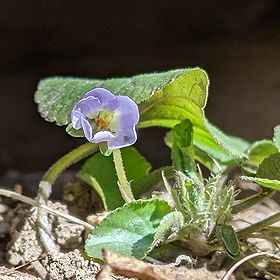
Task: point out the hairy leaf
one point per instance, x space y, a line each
129 230
267 183
182 134
168 228
234 145
57 96
164 99
228 239
260 150
256 153
183 151
270 168
73 132
211 162
268 173
276 137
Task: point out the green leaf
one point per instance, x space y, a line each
99 172
219 148
173 193
203 157
73 132
168 228
57 96
129 230
151 181
276 137
183 150
215 166
228 239
182 134
270 168
257 152
268 173
234 145
181 100
164 99
208 144
267 183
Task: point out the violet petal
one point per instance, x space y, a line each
102 136
105 97
87 128
123 138
76 119
127 106
121 131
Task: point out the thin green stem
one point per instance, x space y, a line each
59 166
243 233
247 203
123 183
72 157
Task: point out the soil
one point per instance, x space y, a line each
22 255
24 248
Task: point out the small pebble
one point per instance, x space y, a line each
3 208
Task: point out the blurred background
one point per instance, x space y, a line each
236 41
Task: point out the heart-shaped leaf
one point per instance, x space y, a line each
129 230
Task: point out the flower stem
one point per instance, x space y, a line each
243 233
45 189
123 183
72 157
247 203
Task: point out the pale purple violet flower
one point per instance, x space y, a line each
105 117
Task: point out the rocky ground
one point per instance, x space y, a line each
22 252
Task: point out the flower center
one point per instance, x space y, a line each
101 123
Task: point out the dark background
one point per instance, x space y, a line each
236 42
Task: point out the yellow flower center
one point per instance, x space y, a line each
101 123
